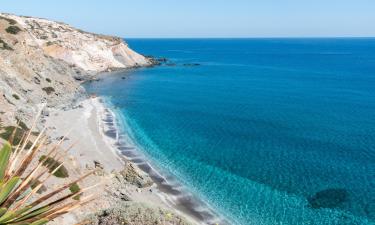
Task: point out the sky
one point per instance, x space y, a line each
207 18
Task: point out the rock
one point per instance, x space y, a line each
192 64
61 138
162 60
134 176
45 112
329 198
97 164
132 213
36 80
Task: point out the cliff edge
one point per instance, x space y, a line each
43 61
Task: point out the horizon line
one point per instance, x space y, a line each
265 37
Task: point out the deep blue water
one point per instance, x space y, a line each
261 126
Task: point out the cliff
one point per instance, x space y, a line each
43 61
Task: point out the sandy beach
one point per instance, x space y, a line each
92 127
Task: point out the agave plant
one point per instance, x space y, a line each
20 204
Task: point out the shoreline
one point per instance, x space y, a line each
101 143
171 192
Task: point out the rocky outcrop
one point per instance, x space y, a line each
43 61
135 176
135 214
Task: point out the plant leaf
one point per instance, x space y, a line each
4 159
3 211
33 213
40 222
7 188
11 215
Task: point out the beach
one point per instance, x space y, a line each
93 127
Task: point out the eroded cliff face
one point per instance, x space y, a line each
43 61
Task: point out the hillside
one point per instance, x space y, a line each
43 61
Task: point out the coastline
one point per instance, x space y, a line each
170 191
97 131
88 121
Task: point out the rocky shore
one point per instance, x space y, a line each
43 63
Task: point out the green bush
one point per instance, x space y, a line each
5 46
48 90
22 125
34 183
16 96
52 164
13 30
48 80
74 188
6 134
10 21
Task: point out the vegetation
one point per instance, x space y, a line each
13 30
48 90
49 43
19 202
23 125
16 96
48 80
74 188
5 46
10 21
16 133
35 183
53 165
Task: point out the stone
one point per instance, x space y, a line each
134 176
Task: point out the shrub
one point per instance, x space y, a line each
35 183
48 90
23 125
13 30
48 80
5 46
10 21
16 96
52 165
14 135
74 188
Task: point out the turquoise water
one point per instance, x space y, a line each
267 131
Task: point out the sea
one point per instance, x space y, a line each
262 131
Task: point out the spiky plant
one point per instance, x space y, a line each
19 202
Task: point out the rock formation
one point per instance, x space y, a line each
43 61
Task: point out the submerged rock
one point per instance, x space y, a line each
329 198
192 64
162 60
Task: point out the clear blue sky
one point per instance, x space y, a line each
207 18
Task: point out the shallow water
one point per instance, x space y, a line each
267 131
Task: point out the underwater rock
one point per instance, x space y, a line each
329 198
192 64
